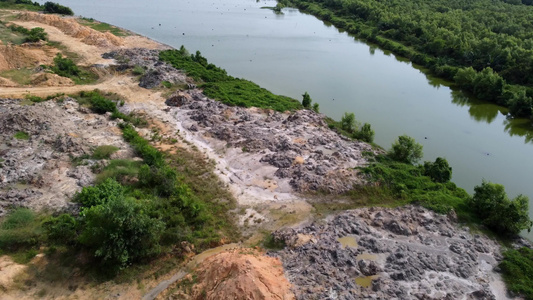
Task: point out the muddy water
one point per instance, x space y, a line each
365 281
348 241
293 53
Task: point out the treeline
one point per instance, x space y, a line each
493 38
48 7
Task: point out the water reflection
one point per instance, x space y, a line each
478 110
519 127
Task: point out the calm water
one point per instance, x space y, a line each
293 53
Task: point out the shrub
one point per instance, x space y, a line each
104 152
36 34
61 229
64 67
406 149
316 107
160 178
365 134
121 170
348 122
54 8
120 232
102 193
497 211
306 101
439 171
138 70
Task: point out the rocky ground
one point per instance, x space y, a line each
39 172
379 253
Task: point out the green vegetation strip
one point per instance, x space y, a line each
484 46
48 7
517 269
217 84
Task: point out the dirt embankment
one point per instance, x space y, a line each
72 28
241 274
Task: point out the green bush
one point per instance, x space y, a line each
65 67
36 34
405 149
348 123
498 212
306 101
150 154
54 8
517 270
162 179
99 194
119 232
439 171
61 229
104 152
365 134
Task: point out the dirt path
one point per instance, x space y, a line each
124 85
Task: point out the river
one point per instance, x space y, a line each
293 52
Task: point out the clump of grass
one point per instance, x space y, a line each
102 27
138 71
21 135
20 231
104 152
122 170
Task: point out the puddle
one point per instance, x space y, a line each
365 281
367 256
348 241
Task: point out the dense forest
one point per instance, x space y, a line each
484 46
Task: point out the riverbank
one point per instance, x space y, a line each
265 157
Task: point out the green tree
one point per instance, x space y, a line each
306 101
497 211
439 171
65 67
100 194
348 122
316 107
365 134
54 8
120 232
406 149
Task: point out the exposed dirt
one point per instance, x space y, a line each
241 274
9 270
14 56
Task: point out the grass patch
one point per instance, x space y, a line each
219 85
517 270
408 184
21 231
9 36
75 57
102 27
104 152
122 170
21 76
21 135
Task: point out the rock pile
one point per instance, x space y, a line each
297 146
156 70
37 170
379 253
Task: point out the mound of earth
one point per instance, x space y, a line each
70 27
238 274
380 253
48 79
13 56
7 83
